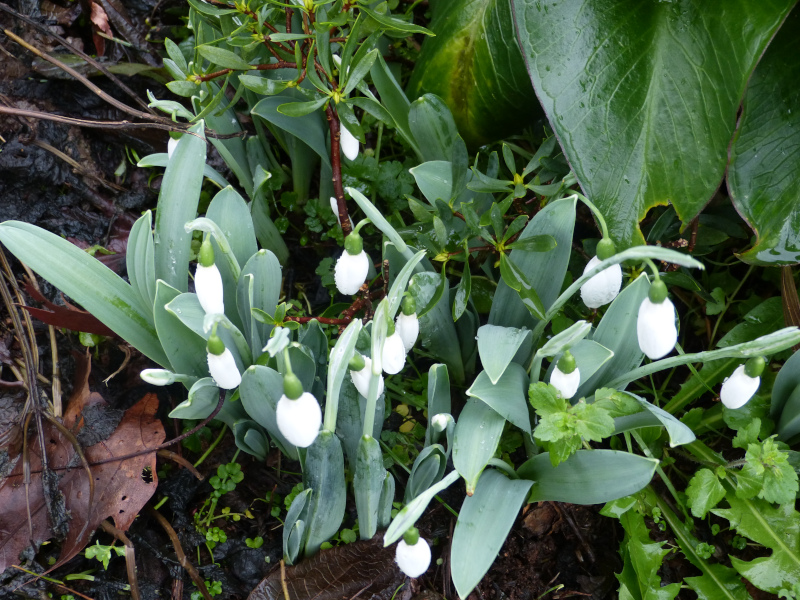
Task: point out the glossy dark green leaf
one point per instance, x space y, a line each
764 175
323 472
177 205
644 95
483 524
308 128
394 100
588 476
393 23
514 278
474 64
223 58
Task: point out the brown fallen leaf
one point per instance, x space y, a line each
364 568
99 20
68 316
122 487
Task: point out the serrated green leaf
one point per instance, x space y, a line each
704 492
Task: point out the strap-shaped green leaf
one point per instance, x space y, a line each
483 524
497 347
177 204
140 258
588 476
323 472
414 509
185 349
87 281
508 396
476 437
368 484
260 391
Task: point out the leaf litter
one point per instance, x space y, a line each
58 504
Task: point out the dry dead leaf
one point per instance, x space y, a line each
364 568
122 487
99 20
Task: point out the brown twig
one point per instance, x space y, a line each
283 582
336 166
176 543
130 557
170 455
281 64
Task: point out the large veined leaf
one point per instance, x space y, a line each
643 95
764 175
87 281
475 66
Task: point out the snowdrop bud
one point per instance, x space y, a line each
742 384
298 413
171 145
393 354
352 267
407 326
158 376
603 287
413 554
566 377
208 281
440 421
349 143
221 364
362 376
655 325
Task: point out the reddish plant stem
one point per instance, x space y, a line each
323 320
288 19
336 166
281 64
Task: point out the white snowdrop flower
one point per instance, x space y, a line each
335 209
393 355
223 369
299 420
742 384
655 325
208 285
171 145
413 559
208 281
566 383
352 267
603 287
566 377
361 378
408 328
348 143
158 376
440 421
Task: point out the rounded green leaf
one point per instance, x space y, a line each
643 95
764 175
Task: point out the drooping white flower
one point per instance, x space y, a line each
408 328
566 383
440 421
361 378
351 272
414 559
393 355
656 329
158 376
208 286
299 420
348 142
171 145
603 287
223 369
738 388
